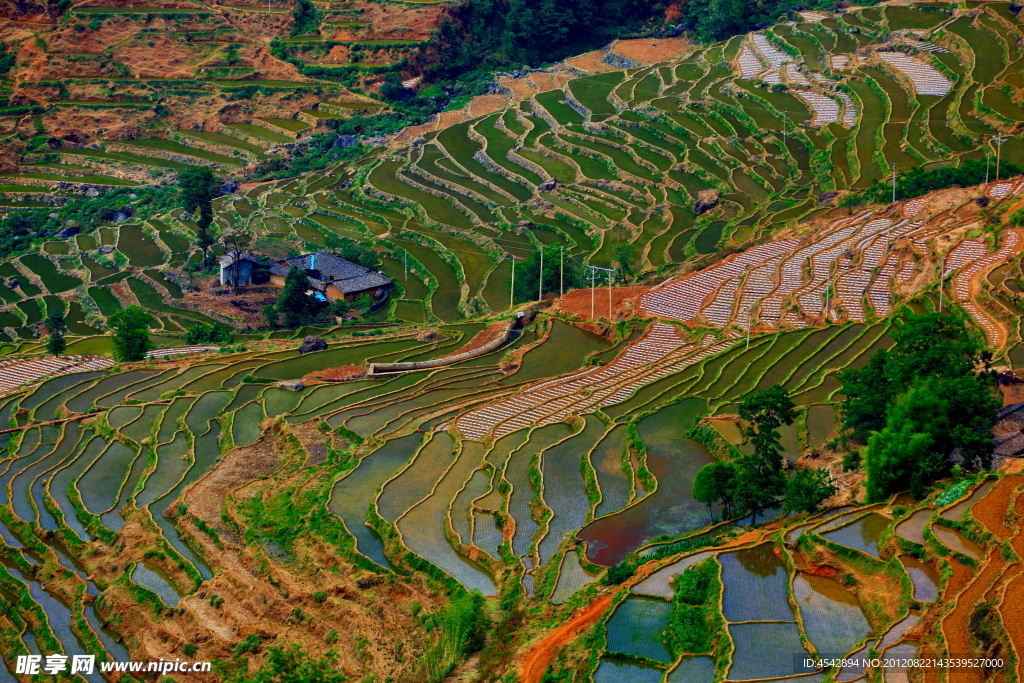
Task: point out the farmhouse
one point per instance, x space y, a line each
333 278
330 277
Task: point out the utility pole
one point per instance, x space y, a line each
540 278
999 146
988 162
512 289
592 273
405 263
609 297
561 272
894 182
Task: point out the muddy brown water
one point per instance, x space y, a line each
670 509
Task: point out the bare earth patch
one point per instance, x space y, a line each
651 50
578 301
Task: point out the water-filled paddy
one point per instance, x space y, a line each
954 540
831 614
755 582
763 650
862 534
925 579
564 491
912 528
156 580
636 628
670 509
615 671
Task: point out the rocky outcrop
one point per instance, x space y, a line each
311 344
706 200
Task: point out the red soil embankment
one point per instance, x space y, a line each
532 668
578 301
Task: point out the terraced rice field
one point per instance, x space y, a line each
541 463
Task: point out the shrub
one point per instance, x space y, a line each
214 333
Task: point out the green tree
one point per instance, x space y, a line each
57 326
624 257
906 453
271 315
868 392
759 478
294 306
283 665
235 242
807 489
715 483
131 333
197 186
214 333
204 240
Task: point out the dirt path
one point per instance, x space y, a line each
535 662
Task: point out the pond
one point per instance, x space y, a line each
671 509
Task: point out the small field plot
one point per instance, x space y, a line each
832 616
766 651
862 534
53 279
756 584
637 626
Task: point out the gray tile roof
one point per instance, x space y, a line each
345 275
369 280
328 264
229 259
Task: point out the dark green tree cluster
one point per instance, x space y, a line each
307 17
130 327
197 188
57 327
757 482
214 333
528 274
294 307
918 182
691 627
920 401
493 34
